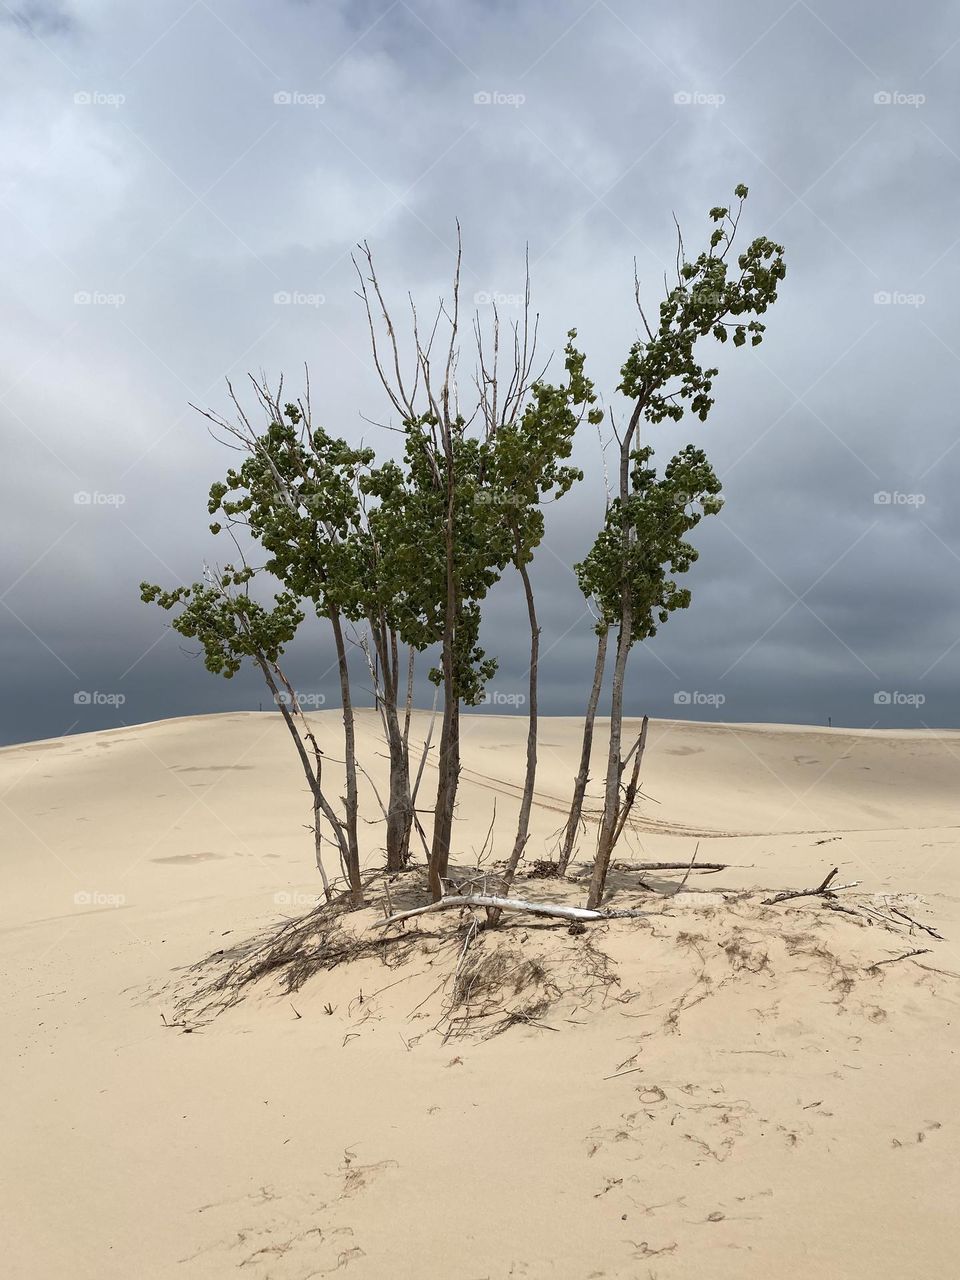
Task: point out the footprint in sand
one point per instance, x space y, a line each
919 1136
674 1119
255 1231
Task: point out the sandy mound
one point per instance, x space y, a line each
720 1087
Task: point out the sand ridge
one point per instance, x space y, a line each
731 1090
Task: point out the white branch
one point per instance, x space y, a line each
456 902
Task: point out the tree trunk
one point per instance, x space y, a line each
399 814
350 756
630 793
611 798
400 803
449 762
449 776
312 774
526 803
318 842
583 774
408 709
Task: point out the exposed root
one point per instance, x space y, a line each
290 954
541 972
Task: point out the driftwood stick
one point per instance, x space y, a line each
860 915
825 888
907 955
671 866
455 902
617 1074
686 874
916 923
808 893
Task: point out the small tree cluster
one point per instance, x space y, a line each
398 556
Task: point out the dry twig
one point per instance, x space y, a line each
825 889
457 901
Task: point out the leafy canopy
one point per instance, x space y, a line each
660 513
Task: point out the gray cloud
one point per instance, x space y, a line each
154 198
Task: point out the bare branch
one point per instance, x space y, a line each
457 903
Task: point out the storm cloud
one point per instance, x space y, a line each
181 187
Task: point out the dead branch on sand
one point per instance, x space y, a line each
671 866
457 901
825 889
292 952
916 923
907 955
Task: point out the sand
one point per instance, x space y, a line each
732 1091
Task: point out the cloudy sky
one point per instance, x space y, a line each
168 171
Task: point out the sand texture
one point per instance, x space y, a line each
720 1088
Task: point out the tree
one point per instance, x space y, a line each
296 494
230 626
663 377
529 455
454 543
354 538
575 817
661 512
407 549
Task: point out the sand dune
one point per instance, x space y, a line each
721 1089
